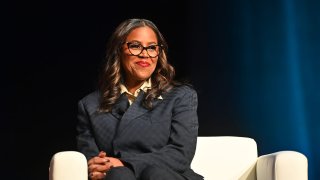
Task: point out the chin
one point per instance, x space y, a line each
143 76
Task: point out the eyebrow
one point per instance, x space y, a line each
149 43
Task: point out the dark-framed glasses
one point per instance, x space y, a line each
137 48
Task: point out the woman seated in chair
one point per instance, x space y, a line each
140 123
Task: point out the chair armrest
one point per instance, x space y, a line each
282 165
68 165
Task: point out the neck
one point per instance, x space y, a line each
132 86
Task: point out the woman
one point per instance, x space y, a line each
139 124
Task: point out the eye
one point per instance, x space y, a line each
135 46
152 47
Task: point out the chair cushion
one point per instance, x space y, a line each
225 157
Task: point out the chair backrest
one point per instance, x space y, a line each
68 165
225 158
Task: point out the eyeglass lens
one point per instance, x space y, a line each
136 49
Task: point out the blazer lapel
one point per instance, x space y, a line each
120 107
134 111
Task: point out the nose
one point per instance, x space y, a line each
144 53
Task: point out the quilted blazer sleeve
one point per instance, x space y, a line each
85 139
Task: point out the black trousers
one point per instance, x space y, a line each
150 173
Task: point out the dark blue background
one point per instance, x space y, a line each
255 65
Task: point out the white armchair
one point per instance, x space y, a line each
236 158
216 158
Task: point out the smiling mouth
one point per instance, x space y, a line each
143 64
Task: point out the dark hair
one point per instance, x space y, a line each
112 73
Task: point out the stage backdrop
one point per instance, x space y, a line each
257 65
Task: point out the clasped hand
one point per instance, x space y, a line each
99 166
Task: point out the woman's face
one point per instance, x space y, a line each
139 68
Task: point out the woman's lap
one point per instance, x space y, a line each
149 173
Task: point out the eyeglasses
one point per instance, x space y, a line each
136 49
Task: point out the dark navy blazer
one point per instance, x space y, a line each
164 136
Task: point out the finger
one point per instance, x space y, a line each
97 175
94 160
115 161
102 154
97 160
99 168
106 160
